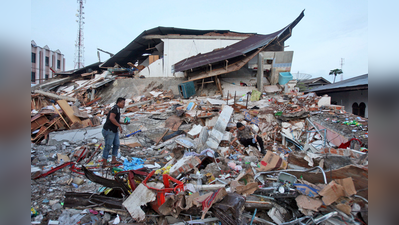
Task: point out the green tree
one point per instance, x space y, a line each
335 72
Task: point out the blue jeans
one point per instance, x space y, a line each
110 138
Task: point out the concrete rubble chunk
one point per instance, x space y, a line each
299 132
141 196
184 165
218 131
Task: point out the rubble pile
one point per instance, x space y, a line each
180 167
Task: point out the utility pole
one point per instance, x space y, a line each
79 45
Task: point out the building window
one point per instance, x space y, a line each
47 61
33 77
58 64
355 108
33 57
362 109
46 77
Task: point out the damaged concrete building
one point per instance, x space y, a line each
180 163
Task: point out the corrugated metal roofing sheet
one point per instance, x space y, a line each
138 46
351 82
249 44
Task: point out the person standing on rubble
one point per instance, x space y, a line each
110 131
247 136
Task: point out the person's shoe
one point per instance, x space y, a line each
263 152
116 162
105 164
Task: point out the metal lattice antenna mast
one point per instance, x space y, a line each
79 45
342 63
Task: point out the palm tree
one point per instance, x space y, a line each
335 72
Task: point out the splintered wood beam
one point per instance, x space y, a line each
231 68
56 110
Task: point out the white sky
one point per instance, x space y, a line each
330 30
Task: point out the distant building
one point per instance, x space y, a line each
42 60
351 93
313 83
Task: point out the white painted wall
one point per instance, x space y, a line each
347 98
155 69
176 50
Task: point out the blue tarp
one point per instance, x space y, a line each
135 164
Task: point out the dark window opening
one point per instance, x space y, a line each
355 108
33 77
362 109
46 77
47 61
58 64
359 110
33 57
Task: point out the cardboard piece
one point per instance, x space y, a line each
306 202
344 208
87 123
248 189
308 189
214 197
64 158
348 185
331 192
272 161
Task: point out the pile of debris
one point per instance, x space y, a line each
179 167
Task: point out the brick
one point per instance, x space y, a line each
333 151
184 165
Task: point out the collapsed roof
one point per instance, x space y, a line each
240 48
141 45
88 68
235 56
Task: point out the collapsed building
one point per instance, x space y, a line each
179 166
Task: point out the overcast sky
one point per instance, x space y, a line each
330 30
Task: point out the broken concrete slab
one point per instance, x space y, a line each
212 121
217 133
270 89
195 131
216 101
76 135
141 196
184 165
324 101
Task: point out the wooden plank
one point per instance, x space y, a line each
42 131
219 85
91 102
173 123
54 96
68 111
56 110
37 123
88 74
163 135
